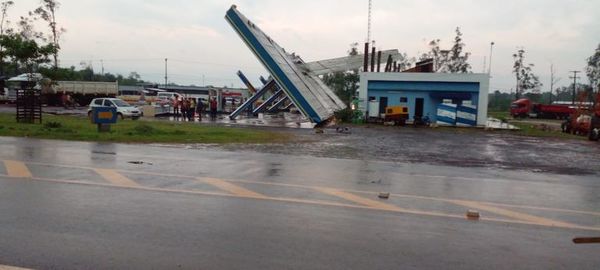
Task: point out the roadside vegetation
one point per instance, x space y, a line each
78 128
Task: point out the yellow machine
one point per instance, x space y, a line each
397 114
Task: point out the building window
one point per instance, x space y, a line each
403 100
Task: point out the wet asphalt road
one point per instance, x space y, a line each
68 205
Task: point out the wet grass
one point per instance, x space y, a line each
79 128
499 115
533 130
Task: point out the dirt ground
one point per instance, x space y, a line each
451 147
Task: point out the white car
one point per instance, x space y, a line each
124 109
168 96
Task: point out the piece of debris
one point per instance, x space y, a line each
319 131
473 215
139 162
587 240
384 195
344 130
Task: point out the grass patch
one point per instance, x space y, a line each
499 115
532 130
79 128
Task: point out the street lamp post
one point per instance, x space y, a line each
166 74
491 51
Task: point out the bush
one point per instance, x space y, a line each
344 115
143 129
51 125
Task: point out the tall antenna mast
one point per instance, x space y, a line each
369 25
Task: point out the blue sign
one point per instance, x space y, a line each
104 115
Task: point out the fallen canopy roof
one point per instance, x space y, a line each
308 93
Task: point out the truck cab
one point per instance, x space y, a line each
520 108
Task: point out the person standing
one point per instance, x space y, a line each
191 110
200 109
185 107
176 106
213 109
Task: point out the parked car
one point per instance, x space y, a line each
124 109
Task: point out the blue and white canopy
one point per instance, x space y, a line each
304 88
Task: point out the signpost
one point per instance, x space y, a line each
104 117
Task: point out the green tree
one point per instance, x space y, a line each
439 56
457 60
526 79
499 101
344 84
4 6
593 69
449 61
47 12
28 54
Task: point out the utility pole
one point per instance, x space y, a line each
166 76
102 65
575 77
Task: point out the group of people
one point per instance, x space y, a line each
188 108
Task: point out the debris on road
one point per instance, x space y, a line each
473 215
587 240
384 195
139 162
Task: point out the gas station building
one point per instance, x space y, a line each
426 94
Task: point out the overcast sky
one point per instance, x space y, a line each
137 35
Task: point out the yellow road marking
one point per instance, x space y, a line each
513 214
17 169
515 217
358 199
549 209
347 190
6 267
311 202
233 189
116 178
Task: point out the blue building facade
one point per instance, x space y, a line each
422 93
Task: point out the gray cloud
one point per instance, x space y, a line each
136 35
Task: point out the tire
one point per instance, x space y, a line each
120 115
90 115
